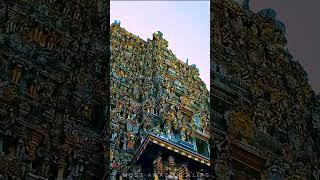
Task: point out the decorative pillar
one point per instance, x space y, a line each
61 172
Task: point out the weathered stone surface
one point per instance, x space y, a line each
262 101
53 91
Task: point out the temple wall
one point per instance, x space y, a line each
53 61
266 91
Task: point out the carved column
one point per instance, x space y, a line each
61 171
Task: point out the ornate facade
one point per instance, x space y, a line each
53 92
54 95
264 118
159 111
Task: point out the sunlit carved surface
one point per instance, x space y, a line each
154 92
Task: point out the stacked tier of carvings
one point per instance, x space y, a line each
282 98
49 90
146 77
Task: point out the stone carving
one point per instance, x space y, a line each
262 98
153 92
49 92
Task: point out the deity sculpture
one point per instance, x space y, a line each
238 24
82 78
158 165
287 152
3 85
171 167
316 173
276 171
227 117
33 89
16 73
21 151
131 141
183 134
167 129
76 168
87 112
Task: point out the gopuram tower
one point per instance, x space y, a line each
263 115
159 111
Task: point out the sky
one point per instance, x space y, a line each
184 24
301 18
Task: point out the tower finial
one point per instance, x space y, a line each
246 4
116 22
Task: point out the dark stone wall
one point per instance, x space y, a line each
269 101
54 88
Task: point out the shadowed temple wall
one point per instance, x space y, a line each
53 89
81 102
263 110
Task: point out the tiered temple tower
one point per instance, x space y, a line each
262 103
159 110
53 92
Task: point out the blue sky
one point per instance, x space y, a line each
184 24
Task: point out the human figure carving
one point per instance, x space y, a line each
21 150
